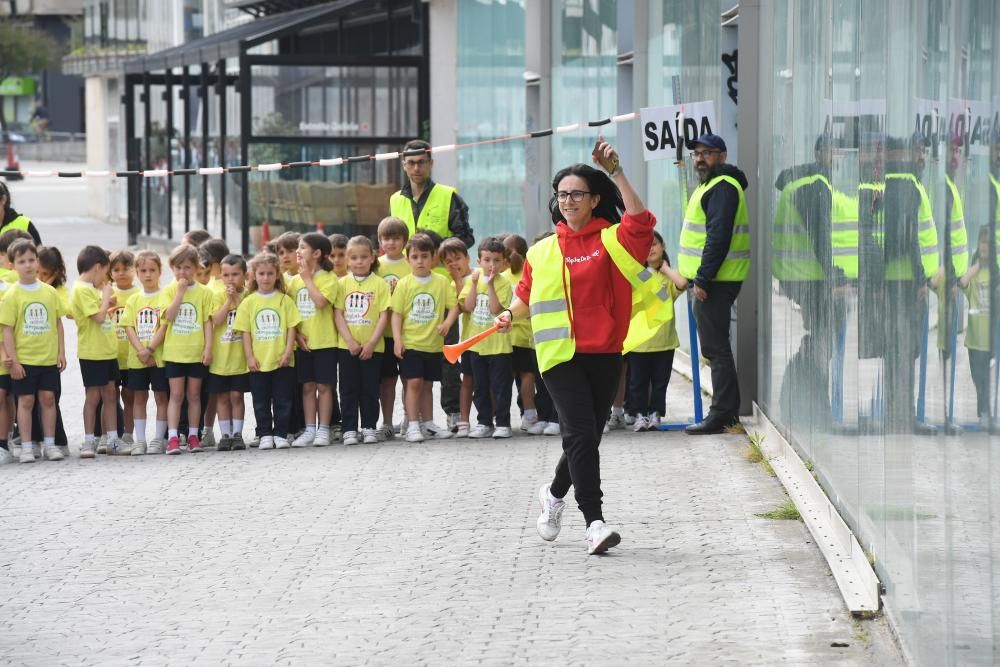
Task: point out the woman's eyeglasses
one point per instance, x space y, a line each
575 195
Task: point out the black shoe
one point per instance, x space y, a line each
711 426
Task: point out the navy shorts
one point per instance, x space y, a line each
39 378
220 384
317 366
524 361
390 364
144 379
416 364
97 373
5 382
465 362
196 370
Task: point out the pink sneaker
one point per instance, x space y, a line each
193 445
174 445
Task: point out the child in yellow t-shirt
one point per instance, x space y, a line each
362 316
424 306
211 252
185 317
484 296
228 378
144 365
651 363
315 290
7 272
267 318
52 272
93 305
123 281
33 343
338 254
6 405
392 265
454 256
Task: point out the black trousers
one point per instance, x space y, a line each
491 388
272 393
582 390
648 377
451 377
359 389
712 317
979 363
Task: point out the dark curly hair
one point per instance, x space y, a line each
611 205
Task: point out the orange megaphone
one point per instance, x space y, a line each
453 352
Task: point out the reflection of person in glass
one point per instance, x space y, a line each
976 283
715 255
910 253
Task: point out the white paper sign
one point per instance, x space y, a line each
661 127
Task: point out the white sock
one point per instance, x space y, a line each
531 414
89 438
226 426
161 429
311 429
48 441
323 428
552 499
237 427
618 411
112 436
413 426
27 444
172 432
140 430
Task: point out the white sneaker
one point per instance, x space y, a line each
462 431
128 440
281 443
266 442
52 453
322 439
65 450
654 422
502 432
414 435
155 446
370 438
87 450
432 430
6 457
640 424
350 437
452 421
528 422
600 538
481 431
404 428
36 449
138 449
116 448
208 438
27 455
537 428
630 419
102 445
550 521
307 438
615 422
553 429
386 433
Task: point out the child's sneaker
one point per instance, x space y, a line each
481 431
527 423
87 450
432 430
208 439
322 439
6 457
654 422
138 449
369 436
351 438
225 444
102 445
552 429
630 419
414 434
115 447
307 438
452 421
52 453
336 433
385 433
462 430
237 442
173 446
194 446
538 428
155 446
65 450
640 424
502 432
128 441
281 443
266 442
27 455
36 449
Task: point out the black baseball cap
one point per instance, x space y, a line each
712 141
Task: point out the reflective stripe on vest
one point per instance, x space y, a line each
844 235
434 214
794 258
20 222
900 269
736 266
957 230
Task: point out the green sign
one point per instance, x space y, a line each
17 85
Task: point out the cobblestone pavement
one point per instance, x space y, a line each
410 554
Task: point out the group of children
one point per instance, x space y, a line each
308 315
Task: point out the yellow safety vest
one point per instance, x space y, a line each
996 215
959 234
736 266
844 234
899 268
794 258
550 304
434 214
20 222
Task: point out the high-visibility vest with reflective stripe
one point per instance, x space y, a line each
736 266
844 233
20 222
899 268
434 214
959 234
794 256
550 302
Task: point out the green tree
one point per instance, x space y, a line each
24 51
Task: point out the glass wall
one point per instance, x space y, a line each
878 195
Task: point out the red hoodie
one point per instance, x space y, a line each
601 296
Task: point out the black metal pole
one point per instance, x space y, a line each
145 162
246 127
220 89
168 97
186 96
203 91
131 162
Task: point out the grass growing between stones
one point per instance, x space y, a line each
786 511
754 454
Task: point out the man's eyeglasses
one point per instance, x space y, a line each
415 163
700 154
575 195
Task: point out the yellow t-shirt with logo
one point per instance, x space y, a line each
520 331
33 314
363 302
3 290
96 341
481 319
63 292
665 337
317 324
142 313
391 271
122 296
228 357
267 319
423 304
185 339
